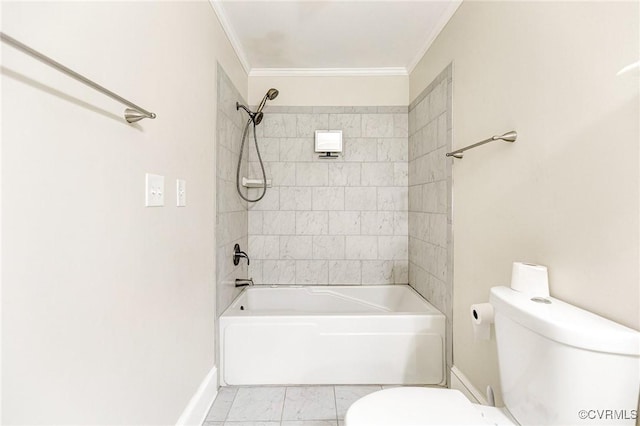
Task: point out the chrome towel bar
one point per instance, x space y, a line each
507 137
132 114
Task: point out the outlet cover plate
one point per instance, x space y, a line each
154 190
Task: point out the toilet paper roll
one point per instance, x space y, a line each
481 319
530 279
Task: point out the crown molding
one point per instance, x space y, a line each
444 19
327 72
231 35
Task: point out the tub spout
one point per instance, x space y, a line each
243 282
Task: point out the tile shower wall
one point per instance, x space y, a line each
430 248
340 221
231 210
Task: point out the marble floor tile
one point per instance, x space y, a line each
221 406
309 403
257 404
347 395
310 423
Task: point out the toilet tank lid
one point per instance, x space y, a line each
565 323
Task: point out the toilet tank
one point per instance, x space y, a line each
562 365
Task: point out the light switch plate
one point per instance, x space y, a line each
181 192
154 190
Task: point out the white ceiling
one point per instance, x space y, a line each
332 37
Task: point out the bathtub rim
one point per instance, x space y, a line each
231 311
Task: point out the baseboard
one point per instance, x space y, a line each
200 403
460 382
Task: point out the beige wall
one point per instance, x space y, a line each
566 193
108 307
332 91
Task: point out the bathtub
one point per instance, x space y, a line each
331 335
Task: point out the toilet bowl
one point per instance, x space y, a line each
557 363
412 406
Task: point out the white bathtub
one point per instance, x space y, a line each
331 335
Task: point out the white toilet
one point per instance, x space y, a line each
559 365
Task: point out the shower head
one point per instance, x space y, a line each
258 115
271 95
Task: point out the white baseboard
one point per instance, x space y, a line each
460 382
200 403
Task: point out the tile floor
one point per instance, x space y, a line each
284 406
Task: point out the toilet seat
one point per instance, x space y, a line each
413 406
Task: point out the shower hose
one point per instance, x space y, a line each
264 175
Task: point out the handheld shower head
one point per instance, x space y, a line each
271 95
258 115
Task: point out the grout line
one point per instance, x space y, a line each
231 405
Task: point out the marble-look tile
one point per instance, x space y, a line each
344 223
255 222
279 125
251 424
257 404
400 174
254 271
392 248
222 404
207 423
279 223
264 247
307 124
398 109
377 223
377 174
400 125
297 149
270 201
360 149
296 247
360 198
269 149
361 247
377 125
328 198
393 149
393 198
309 403
401 272
295 198
312 272
310 423
328 109
279 272
350 124
328 247
415 194
347 395
401 223
281 173
345 272
344 174
377 272
312 223
312 174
